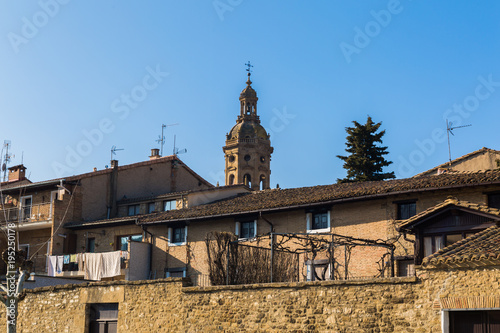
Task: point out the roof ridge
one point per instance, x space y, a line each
446 164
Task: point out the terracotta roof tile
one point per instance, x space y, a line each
448 202
483 247
276 199
459 159
280 199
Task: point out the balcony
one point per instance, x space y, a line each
75 270
134 264
39 214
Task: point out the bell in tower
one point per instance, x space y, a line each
248 148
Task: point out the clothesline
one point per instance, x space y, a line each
95 265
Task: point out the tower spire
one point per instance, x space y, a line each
248 99
248 148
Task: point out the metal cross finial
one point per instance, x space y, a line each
249 69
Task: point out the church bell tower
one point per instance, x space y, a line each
248 148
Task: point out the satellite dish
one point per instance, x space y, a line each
4 167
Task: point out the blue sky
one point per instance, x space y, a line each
80 77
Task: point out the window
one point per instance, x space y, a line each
406 267
103 318
26 203
122 241
435 243
494 200
318 270
133 210
247 180
406 210
91 244
318 222
175 272
169 205
151 207
177 235
246 229
26 249
477 321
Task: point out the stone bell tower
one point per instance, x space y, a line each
248 148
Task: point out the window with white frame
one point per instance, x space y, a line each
318 221
169 205
177 235
26 203
122 241
318 270
246 229
175 272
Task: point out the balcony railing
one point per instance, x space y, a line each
31 213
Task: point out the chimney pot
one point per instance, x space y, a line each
155 153
114 164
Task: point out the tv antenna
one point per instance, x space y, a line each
114 150
161 139
178 151
6 158
449 130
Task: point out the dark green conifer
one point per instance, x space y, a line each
366 159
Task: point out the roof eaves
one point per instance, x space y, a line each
94 224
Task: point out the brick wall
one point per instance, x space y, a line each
369 219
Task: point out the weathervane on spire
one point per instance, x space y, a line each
249 68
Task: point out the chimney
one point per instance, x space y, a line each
17 172
155 153
112 189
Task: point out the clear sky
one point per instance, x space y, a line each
78 77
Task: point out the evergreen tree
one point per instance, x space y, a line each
366 160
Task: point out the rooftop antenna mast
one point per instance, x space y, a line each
114 150
449 130
161 139
6 158
177 150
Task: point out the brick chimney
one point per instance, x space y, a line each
17 172
155 153
112 190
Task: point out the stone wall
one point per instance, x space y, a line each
383 305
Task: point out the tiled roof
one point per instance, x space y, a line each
449 202
459 159
177 194
98 223
22 184
274 200
482 248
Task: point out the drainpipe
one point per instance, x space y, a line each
112 187
272 244
145 230
269 222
